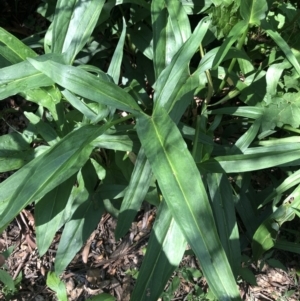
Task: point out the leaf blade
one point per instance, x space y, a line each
87 85
165 249
171 162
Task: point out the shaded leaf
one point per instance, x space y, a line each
83 221
136 191
49 214
15 152
224 213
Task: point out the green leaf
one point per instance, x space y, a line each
179 25
49 214
176 74
224 17
235 33
263 239
141 36
246 139
266 234
159 17
171 162
114 68
19 78
255 161
83 221
136 191
84 108
248 112
73 24
253 11
165 249
273 76
276 264
12 49
282 44
7 280
289 182
125 143
43 128
57 285
48 97
47 171
87 85
248 276
244 204
224 213
15 152
287 246
281 111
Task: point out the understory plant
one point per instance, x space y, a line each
181 104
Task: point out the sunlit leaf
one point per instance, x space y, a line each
171 162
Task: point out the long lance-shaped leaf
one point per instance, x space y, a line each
137 189
73 24
243 163
179 21
21 77
87 85
82 23
282 44
288 183
48 214
62 17
159 17
184 192
116 61
47 171
224 212
178 29
175 75
165 249
246 139
13 49
85 218
171 28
